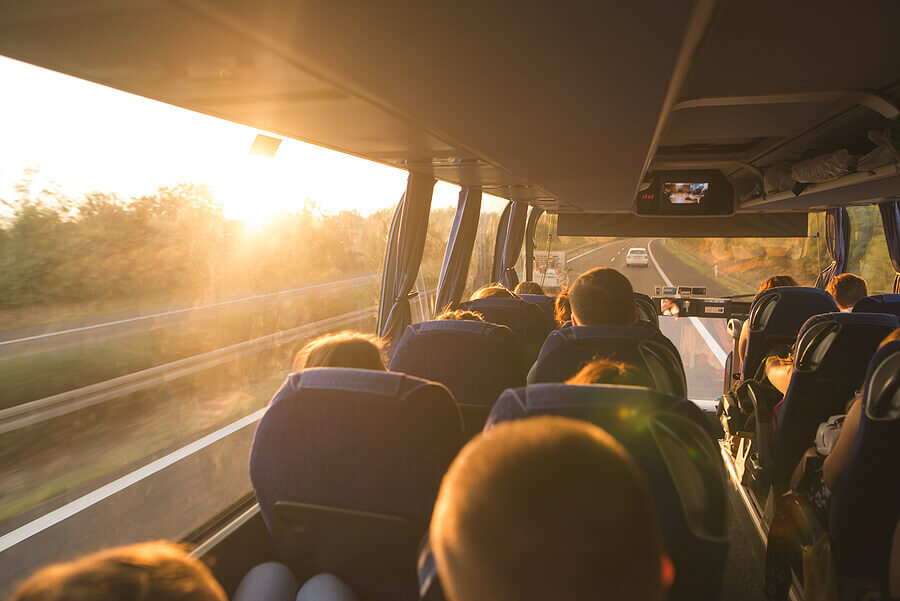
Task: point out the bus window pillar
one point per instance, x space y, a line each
890 219
533 217
406 244
508 246
455 269
837 243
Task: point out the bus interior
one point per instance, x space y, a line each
733 141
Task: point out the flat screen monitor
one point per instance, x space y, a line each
685 193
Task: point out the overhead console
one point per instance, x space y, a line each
695 193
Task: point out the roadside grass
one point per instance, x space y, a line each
733 284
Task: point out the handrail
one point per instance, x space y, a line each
871 99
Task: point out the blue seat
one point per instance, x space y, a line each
546 303
679 459
776 316
831 356
879 303
567 350
526 320
865 502
475 360
346 465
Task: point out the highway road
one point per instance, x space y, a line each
167 496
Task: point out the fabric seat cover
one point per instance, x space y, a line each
879 303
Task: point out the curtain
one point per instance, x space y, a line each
406 244
512 236
458 255
837 243
499 241
533 217
890 219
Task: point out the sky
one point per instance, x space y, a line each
83 137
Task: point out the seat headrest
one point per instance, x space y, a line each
882 393
538 299
578 333
369 381
820 332
784 308
879 303
455 325
510 303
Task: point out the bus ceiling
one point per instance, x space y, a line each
567 106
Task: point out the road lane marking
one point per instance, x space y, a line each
592 250
713 344
56 516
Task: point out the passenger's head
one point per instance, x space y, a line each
777 281
461 315
847 289
529 288
607 371
145 572
562 308
602 296
546 508
493 291
344 349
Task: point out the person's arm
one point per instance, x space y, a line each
801 467
834 463
778 372
743 340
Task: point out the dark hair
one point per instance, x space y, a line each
157 571
495 538
493 291
777 281
847 289
562 310
461 315
607 371
529 288
602 296
343 349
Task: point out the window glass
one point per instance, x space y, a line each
868 249
483 252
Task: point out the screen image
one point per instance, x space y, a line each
685 193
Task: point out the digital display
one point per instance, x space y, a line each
685 193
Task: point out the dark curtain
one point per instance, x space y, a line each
890 219
458 255
533 217
837 243
512 243
404 256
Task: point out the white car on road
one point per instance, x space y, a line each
637 257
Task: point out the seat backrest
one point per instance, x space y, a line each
546 303
879 303
646 309
355 439
831 356
679 459
865 502
565 351
776 316
526 320
475 360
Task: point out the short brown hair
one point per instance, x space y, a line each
157 571
528 288
493 291
847 289
778 281
562 309
607 371
546 508
603 296
461 315
343 349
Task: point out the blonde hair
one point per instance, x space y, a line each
607 371
156 571
342 349
493 291
562 308
528 288
777 281
461 315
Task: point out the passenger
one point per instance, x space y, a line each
602 296
343 349
529 288
815 477
607 371
588 531
562 308
776 281
847 289
493 291
460 315
157 571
